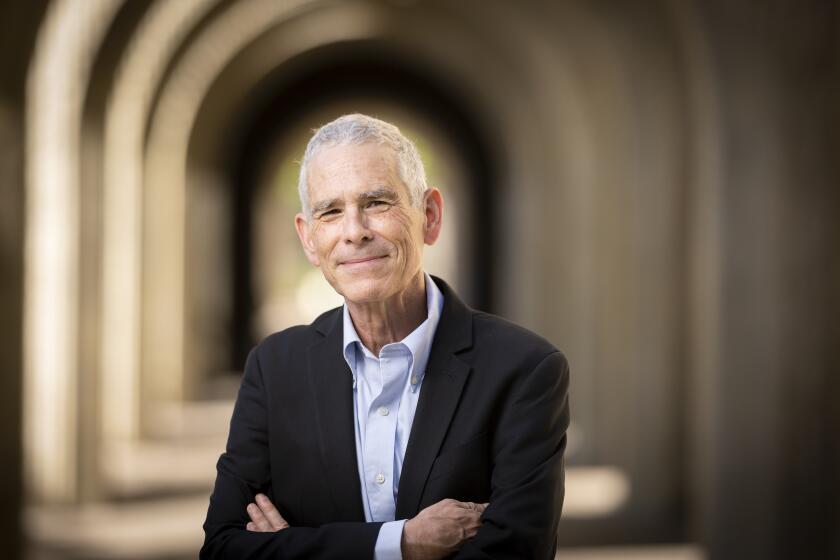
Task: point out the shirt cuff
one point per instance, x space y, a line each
389 540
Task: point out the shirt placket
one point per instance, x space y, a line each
380 437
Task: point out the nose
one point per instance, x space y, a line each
356 227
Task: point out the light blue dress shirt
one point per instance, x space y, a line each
385 393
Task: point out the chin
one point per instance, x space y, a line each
365 290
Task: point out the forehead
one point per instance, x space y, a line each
347 169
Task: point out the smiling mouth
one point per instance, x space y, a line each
364 260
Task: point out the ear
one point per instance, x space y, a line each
433 214
302 228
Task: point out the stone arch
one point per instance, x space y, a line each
555 103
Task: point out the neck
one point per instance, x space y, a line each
382 322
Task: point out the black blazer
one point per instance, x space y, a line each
490 426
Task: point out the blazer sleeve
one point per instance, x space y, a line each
243 471
527 482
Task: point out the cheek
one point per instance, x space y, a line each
406 233
323 243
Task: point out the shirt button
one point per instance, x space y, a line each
383 411
414 380
380 478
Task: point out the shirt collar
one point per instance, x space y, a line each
418 342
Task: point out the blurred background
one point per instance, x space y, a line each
654 186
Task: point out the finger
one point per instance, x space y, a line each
470 506
270 512
469 528
258 518
473 506
473 525
467 518
250 526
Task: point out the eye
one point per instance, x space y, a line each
376 203
329 214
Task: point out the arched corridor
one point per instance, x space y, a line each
649 186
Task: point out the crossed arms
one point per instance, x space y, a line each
434 533
519 520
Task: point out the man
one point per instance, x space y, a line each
403 424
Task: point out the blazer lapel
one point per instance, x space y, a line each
439 396
332 386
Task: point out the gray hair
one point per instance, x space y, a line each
362 129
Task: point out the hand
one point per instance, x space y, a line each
264 516
440 529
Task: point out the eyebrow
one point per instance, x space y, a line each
380 193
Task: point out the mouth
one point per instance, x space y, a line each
364 261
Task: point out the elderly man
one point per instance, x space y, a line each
403 424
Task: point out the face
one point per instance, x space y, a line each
364 232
